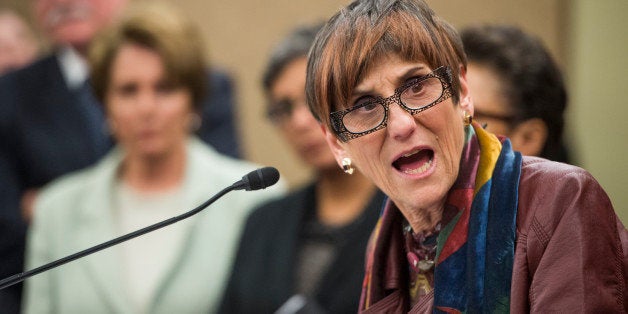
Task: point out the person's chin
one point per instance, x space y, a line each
152 150
152 154
427 197
74 35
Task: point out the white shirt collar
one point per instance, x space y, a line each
73 67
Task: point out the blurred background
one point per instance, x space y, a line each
587 38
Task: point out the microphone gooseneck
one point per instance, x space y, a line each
255 180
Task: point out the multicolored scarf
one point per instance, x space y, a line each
475 250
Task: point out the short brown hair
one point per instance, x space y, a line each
362 33
159 27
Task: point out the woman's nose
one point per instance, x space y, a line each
146 100
401 123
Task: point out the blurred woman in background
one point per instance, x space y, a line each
150 74
304 251
517 88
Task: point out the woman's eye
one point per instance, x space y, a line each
368 106
126 89
417 88
165 87
362 101
282 108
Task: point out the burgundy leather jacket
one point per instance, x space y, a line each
570 254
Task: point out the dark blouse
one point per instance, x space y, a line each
280 256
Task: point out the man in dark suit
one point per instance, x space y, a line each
218 127
50 124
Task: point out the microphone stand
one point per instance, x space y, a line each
7 282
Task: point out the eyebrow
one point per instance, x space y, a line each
413 71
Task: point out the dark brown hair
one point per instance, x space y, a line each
532 82
294 46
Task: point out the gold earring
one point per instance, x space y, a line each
346 165
468 118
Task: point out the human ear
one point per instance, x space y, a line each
335 145
466 102
529 137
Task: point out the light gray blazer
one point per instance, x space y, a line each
74 213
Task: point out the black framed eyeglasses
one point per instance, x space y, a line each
414 96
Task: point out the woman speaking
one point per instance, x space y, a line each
470 225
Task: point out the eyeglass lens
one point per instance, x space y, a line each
417 95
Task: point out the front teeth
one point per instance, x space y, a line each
421 169
411 153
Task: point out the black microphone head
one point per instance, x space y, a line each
260 178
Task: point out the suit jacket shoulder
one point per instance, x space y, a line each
20 86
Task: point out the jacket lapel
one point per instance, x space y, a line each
71 110
191 200
96 225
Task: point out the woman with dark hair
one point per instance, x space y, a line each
518 90
470 225
304 251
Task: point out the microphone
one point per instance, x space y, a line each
258 179
254 180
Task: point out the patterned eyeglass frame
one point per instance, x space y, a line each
443 74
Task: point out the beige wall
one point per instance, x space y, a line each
543 18
239 36
586 37
598 61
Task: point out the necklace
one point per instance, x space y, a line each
421 248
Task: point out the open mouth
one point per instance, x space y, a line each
415 162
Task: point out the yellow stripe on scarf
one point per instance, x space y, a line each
491 147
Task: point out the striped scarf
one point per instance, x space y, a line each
475 250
